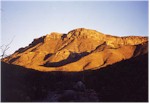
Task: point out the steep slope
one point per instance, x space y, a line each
79 49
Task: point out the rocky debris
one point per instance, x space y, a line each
77 93
79 86
88 95
78 50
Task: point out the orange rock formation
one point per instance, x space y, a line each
80 49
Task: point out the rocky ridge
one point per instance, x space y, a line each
79 49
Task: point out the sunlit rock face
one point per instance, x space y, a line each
78 50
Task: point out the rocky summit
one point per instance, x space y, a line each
78 50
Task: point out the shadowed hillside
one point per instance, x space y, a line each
124 81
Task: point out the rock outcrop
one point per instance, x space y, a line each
79 49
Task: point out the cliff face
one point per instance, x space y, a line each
79 49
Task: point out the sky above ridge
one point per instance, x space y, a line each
25 20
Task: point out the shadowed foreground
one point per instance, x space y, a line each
126 81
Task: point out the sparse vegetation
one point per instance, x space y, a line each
4 48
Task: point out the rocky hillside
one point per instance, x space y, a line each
79 49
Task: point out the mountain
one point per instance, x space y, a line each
81 66
78 50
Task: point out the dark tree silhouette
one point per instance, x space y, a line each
4 48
